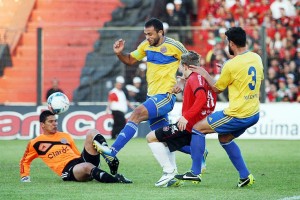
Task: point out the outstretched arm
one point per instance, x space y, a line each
211 81
125 58
25 162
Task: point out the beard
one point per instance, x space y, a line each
155 42
230 51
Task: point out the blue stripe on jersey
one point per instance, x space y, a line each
159 58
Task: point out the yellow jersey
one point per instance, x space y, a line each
242 75
162 64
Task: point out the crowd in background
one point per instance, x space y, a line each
280 19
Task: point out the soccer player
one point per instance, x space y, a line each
242 75
163 58
198 101
60 154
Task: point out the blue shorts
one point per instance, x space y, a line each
224 124
158 107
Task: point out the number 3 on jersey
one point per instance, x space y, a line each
252 72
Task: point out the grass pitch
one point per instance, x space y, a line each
275 165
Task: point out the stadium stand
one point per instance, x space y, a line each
85 67
65 44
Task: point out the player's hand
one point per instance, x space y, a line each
179 85
199 70
181 124
119 46
25 179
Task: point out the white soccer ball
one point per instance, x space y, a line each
58 103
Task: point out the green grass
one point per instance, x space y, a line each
275 165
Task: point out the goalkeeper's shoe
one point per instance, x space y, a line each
189 176
122 179
166 177
246 181
203 165
113 165
25 179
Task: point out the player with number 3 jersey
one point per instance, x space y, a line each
242 75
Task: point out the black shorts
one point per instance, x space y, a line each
67 173
174 138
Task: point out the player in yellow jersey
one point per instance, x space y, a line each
242 75
163 59
59 152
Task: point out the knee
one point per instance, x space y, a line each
87 167
138 114
150 137
90 134
225 138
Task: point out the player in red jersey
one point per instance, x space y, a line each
198 101
59 152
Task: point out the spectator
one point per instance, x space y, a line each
271 91
141 94
173 19
54 88
132 92
283 93
118 106
286 5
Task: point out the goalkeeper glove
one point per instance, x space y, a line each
25 179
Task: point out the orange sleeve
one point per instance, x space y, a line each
29 155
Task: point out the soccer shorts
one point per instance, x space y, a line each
158 107
174 138
67 173
224 124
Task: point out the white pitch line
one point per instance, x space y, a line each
291 198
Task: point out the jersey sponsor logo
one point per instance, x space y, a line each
210 119
56 153
163 49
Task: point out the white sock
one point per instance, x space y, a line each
172 158
162 156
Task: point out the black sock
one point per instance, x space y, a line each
99 138
103 176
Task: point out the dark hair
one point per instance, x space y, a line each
237 35
44 115
190 58
156 23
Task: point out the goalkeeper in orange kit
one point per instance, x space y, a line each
59 152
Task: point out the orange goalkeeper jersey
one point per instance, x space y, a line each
55 150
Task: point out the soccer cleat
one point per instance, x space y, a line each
246 181
166 177
113 162
122 179
174 183
189 176
104 150
203 165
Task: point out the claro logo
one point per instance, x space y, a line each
58 152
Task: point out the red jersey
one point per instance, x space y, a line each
55 150
199 100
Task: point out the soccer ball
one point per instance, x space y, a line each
58 103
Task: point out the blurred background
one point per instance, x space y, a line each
66 45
